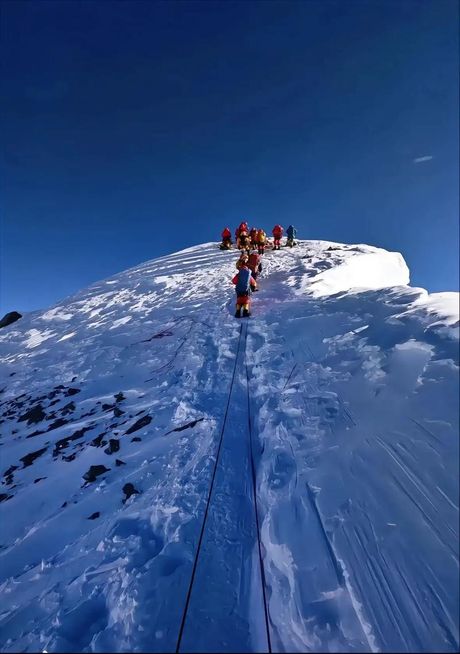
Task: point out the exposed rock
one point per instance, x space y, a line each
117 412
119 462
39 479
28 459
56 391
94 472
128 490
60 422
37 432
94 515
114 446
68 408
33 415
8 474
10 318
142 422
107 407
98 442
4 497
186 426
64 442
136 439
72 391
119 397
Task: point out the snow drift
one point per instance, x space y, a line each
326 429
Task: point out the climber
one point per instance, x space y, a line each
226 239
244 283
277 232
243 241
242 261
243 227
291 234
261 241
253 237
254 265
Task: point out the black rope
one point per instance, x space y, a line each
253 473
195 563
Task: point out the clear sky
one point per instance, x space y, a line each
133 129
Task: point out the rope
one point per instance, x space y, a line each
195 563
254 488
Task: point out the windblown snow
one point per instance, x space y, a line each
335 403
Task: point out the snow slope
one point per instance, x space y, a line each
326 426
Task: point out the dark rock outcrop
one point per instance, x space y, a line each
128 490
60 422
142 422
72 391
28 459
33 415
94 472
114 446
98 441
68 408
8 474
9 318
188 425
64 442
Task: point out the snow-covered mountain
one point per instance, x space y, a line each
323 431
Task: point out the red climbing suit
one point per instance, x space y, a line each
277 232
226 234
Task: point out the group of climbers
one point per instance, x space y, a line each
247 239
252 243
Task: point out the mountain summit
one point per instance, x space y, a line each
178 480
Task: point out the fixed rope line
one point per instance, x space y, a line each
254 488
208 502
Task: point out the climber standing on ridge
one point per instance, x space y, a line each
243 227
291 233
226 239
244 283
277 232
253 237
243 241
261 241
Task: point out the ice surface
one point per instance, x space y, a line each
353 405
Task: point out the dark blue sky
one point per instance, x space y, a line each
133 129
